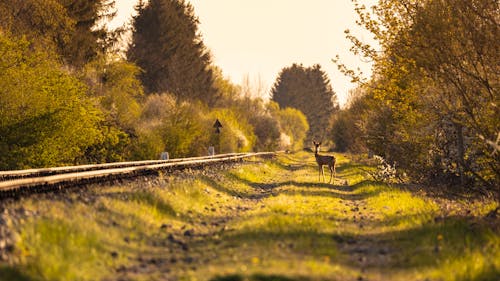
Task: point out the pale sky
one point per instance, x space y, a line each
257 38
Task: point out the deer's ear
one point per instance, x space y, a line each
314 142
319 143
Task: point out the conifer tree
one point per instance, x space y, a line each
166 44
307 89
89 37
70 28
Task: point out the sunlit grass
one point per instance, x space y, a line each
471 265
66 249
277 269
397 209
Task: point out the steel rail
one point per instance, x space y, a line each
16 174
11 188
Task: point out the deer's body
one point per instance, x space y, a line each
324 160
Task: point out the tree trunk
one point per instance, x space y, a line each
461 152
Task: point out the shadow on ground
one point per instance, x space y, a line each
13 274
256 277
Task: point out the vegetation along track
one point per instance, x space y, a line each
17 182
259 220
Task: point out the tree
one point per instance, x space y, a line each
44 22
436 85
46 119
113 82
72 29
230 93
350 124
455 47
89 37
167 46
308 90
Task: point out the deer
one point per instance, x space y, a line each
324 160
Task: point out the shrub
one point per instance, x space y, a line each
236 135
294 125
46 119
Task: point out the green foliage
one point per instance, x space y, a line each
89 37
274 128
237 135
265 125
295 127
67 30
186 129
148 144
45 117
172 54
114 82
113 145
341 131
71 28
46 23
267 130
434 93
455 47
230 93
307 89
166 125
78 244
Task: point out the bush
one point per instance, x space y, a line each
169 125
46 119
186 129
236 135
294 128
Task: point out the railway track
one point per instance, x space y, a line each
21 182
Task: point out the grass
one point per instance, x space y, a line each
264 220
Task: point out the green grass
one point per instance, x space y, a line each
265 220
81 249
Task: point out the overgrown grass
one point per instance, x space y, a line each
66 243
266 220
81 249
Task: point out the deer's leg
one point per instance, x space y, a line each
323 173
319 172
330 167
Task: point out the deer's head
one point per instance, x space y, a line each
316 146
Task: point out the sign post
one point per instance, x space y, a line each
217 126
